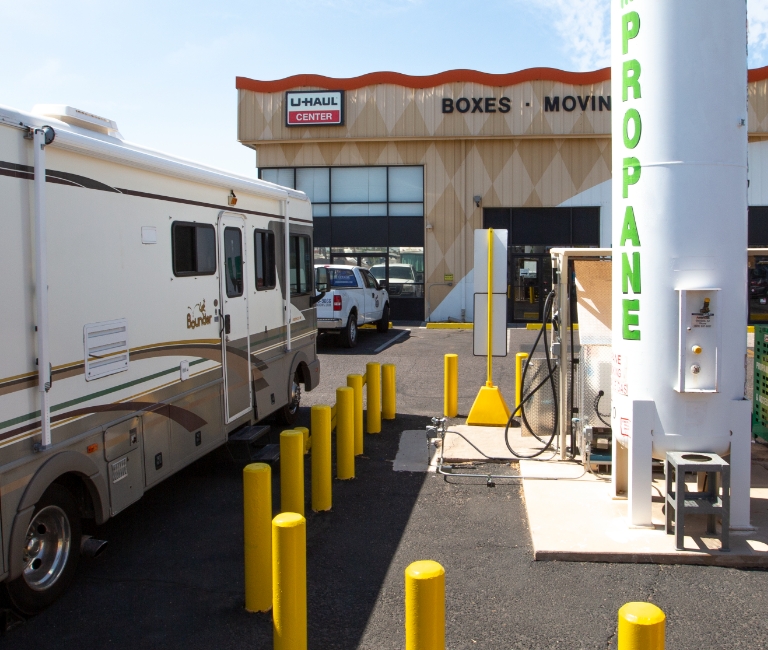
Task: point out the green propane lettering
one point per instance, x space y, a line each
629 228
630 273
631 171
630 25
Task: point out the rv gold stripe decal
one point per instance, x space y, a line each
85 398
210 348
189 420
68 417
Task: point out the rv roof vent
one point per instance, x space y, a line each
77 117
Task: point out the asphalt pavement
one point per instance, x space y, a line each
172 576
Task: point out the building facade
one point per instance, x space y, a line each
401 170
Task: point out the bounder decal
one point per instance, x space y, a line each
197 316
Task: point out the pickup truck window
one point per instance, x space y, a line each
342 278
369 280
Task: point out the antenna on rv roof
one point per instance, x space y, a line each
77 117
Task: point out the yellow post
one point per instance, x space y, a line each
451 386
355 382
373 383
289 581
388 391
305 438
425 606
520 358
489 379
292 471
489 409
641 627
322 491
257 521
345 433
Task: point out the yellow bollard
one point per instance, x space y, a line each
641 627
355 382
373 382
292 471
257 522
289 581
388 391
322 492
451 385
520 358
306 439
425 606
345 433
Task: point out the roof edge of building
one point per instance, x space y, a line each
428 81
449 76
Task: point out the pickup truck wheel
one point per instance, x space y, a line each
382 326
51 552
349 334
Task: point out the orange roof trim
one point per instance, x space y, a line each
430 81
758 74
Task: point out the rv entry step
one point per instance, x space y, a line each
242 444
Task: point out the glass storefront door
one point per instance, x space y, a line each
529 282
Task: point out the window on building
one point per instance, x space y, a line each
283 176
395 191
264 248
194 248
301 264
233 261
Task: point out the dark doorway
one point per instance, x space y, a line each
532 232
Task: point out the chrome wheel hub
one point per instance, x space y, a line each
293 406
47 548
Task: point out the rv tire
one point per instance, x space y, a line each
290 412
52 552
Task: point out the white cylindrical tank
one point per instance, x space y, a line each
679 87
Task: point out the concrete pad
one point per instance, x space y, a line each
413 453
573 518
490 440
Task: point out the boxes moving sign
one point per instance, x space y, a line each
314 108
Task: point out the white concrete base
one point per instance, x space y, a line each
578 521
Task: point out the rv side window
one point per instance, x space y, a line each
301 264
194 248
233 261
264 245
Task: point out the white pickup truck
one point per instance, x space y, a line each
352 297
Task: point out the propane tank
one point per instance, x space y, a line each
679 215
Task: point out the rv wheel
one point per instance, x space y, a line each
51 553
290 411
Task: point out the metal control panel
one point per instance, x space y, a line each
699 341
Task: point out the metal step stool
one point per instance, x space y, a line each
705 502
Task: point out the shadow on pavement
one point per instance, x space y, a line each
172 576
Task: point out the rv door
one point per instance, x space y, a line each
236 349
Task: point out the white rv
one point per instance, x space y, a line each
146 318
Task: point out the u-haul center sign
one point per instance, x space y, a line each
314 108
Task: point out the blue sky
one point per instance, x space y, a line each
165 71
